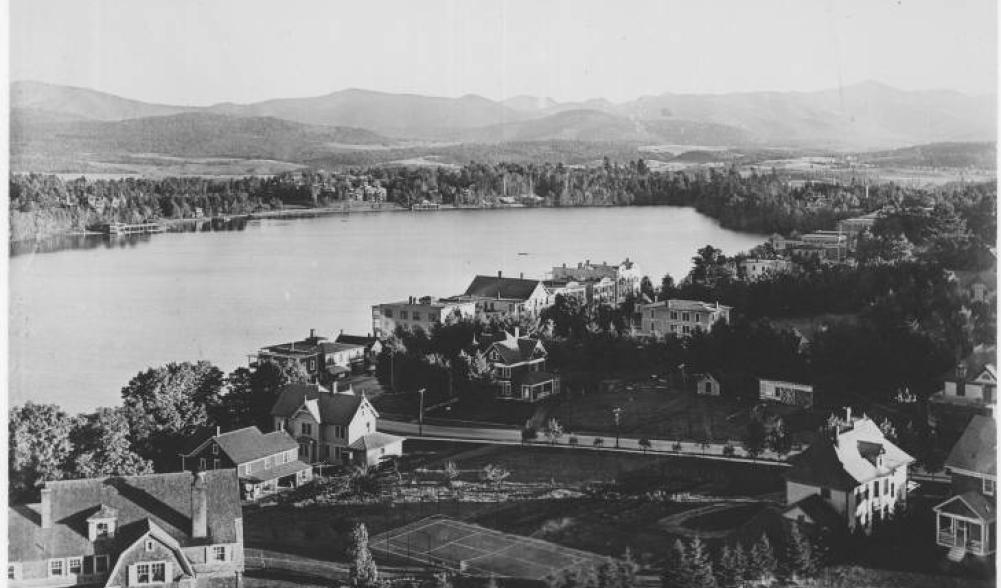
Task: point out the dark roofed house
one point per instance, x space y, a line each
519 366
966 523
973 383
265 462
857 473
500 296
178 529
372 345
327 424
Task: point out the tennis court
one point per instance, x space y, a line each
439 541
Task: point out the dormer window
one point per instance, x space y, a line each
102 524
990 487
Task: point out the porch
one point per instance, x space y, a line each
286 476
960 525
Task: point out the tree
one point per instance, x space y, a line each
677 568
701 566
668 289
599 442
645 444
646 288
363 572
761 561
798 558
754 439
779 440
101 446
39 447
252 392
730 566
165 406
554 431
494 475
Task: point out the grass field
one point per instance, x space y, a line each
476 550
650 408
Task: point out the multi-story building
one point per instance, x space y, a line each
625 278
568 288
967 521
786 392
264 462
759 269
418 313
318 357
519 367
681 317
506 297
332 426
178 529
853 472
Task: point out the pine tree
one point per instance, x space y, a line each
729 567
677 569
363 573
798 559
492 582
628 568
701 566
761 563
740 563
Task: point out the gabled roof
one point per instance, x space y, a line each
688 305
328 347
374 441
982 358
500 287
332 408
510 348
976 450
819 511
306 347
969 504
362 340
249 444
161 499
847 459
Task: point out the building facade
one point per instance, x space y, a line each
506 297
264 462
178 529
760 269
519 367
859 476
320 359
418 313
973 383
681 317
966 523
330 426
624 278
790 393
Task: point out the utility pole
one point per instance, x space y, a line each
420 416
617 414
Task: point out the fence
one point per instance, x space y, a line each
269 562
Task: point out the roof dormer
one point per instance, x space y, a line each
102 524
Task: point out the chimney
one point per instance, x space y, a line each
199 507
848 415
500 274
587 262
312 333
46 507
522 275
564 265
517 332
218 430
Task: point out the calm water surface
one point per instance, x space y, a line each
83 321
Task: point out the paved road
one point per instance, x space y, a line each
626 444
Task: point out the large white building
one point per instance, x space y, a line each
681 317
624 277
418 313
855 476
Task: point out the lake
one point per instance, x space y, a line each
84 320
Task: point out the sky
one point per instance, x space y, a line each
199 52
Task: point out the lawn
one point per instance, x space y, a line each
650 408
725 519
859 577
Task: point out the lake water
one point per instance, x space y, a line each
84 320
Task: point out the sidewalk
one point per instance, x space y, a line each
584 442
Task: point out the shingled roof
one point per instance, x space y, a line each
510 348
976 450
248 444
848 459
332 408
161 499
500 287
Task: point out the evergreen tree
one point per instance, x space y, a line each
678 568
798 558
728 568
628 568
701 566
363 573
761 562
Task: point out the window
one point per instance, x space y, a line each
218 553
12 572
268 463
159 570
674 328
674 316
100 564
403 314
686 329
104 528
215 449
417 316
339 431
312 365
75 565
88 565
306 428
324 451
142 573
56 567
201 464
245 469
150 545
989 487
387 313
684 316
825 492
216 464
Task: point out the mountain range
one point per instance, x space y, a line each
65 122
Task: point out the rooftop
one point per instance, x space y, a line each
249 444
501 287
330 408
689 305
976 450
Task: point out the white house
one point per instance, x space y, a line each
786 392
681 317
332 426
859 476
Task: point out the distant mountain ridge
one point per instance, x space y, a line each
49 118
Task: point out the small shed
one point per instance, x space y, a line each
706 385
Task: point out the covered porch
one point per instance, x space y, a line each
533 387
288 475
966 522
